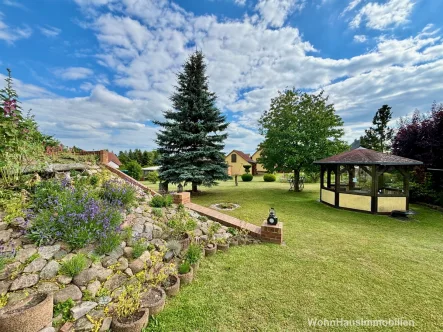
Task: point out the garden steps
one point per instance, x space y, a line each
224 219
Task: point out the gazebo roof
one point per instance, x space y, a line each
362 156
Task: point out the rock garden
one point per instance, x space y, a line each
86 251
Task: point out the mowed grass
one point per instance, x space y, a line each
335 264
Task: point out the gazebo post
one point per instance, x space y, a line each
374 189
351 174
329 177
337 185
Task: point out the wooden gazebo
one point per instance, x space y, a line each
365 187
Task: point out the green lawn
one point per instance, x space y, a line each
336 264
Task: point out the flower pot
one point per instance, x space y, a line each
223 246
186 279
174 288
28 315
210 249
134 323
195 266
185 241
154 299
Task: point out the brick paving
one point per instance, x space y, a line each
224 219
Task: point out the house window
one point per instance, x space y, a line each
233 158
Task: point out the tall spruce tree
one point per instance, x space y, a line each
379 136
192 139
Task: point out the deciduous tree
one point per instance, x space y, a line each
299 128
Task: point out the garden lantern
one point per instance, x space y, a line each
272 219
180 188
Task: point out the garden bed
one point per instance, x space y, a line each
86 237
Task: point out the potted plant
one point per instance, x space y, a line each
193 256
129 315
185 273
233 241
30 314
211 246
171 285
180 226
222 244
154 300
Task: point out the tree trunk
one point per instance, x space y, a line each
296 180
236 180
194 187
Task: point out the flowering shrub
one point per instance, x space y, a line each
21 143
118 193
74 215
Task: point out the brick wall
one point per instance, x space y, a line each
271 233
182 198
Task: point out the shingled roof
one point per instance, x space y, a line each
362 156
245 156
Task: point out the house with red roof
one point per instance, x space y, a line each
237 159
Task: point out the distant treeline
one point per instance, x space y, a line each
144 158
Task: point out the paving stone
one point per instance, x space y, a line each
36 265
23 254
47 252
93 287
24 281
50 270
47 287
69 292
115 281
82 309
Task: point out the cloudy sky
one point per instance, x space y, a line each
96 72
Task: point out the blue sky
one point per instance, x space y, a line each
97 72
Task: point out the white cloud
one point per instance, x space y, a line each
351 6
12 34
382 16
275 12
27 90
240 2
50 31
144 44
103 119
360 38
74 73
16 4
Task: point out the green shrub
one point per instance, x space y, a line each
247 177
232 231
133 169
74 266
159 201
94 180
152 177
184 268
193 255
158 212
108 243
174 246
139 248
64 309
269 177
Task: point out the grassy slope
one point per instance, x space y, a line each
336 264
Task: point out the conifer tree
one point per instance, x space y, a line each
192 136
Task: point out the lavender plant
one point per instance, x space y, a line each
118 194
74 215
